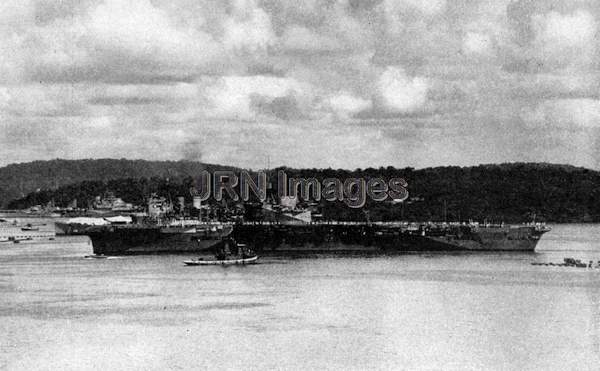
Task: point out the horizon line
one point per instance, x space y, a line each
307 167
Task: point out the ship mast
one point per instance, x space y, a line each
445 211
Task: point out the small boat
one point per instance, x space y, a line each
95 256
241 261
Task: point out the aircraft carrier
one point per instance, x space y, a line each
272 230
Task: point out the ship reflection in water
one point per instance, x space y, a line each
490 310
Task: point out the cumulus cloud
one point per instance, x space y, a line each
400 13
565 39
565 113
136 26
238 96
248 28
33 100
298 38
107 41
477 43
548 40
400 93
565 30
345 104
428 7
108 77
141 94
286 108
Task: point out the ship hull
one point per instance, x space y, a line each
127 240
306 239
376 239
502 238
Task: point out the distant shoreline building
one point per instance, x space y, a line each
112 203
158 206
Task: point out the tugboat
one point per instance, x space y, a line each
251 260
224 256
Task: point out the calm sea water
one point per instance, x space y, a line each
422 311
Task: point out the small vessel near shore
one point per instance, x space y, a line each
99 256
30 227
16 233
241 261
570 262
224 255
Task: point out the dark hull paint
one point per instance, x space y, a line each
375 239
126 240
307 239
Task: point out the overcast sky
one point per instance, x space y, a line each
304 83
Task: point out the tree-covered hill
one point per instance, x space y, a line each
512 192
515 192
18 180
